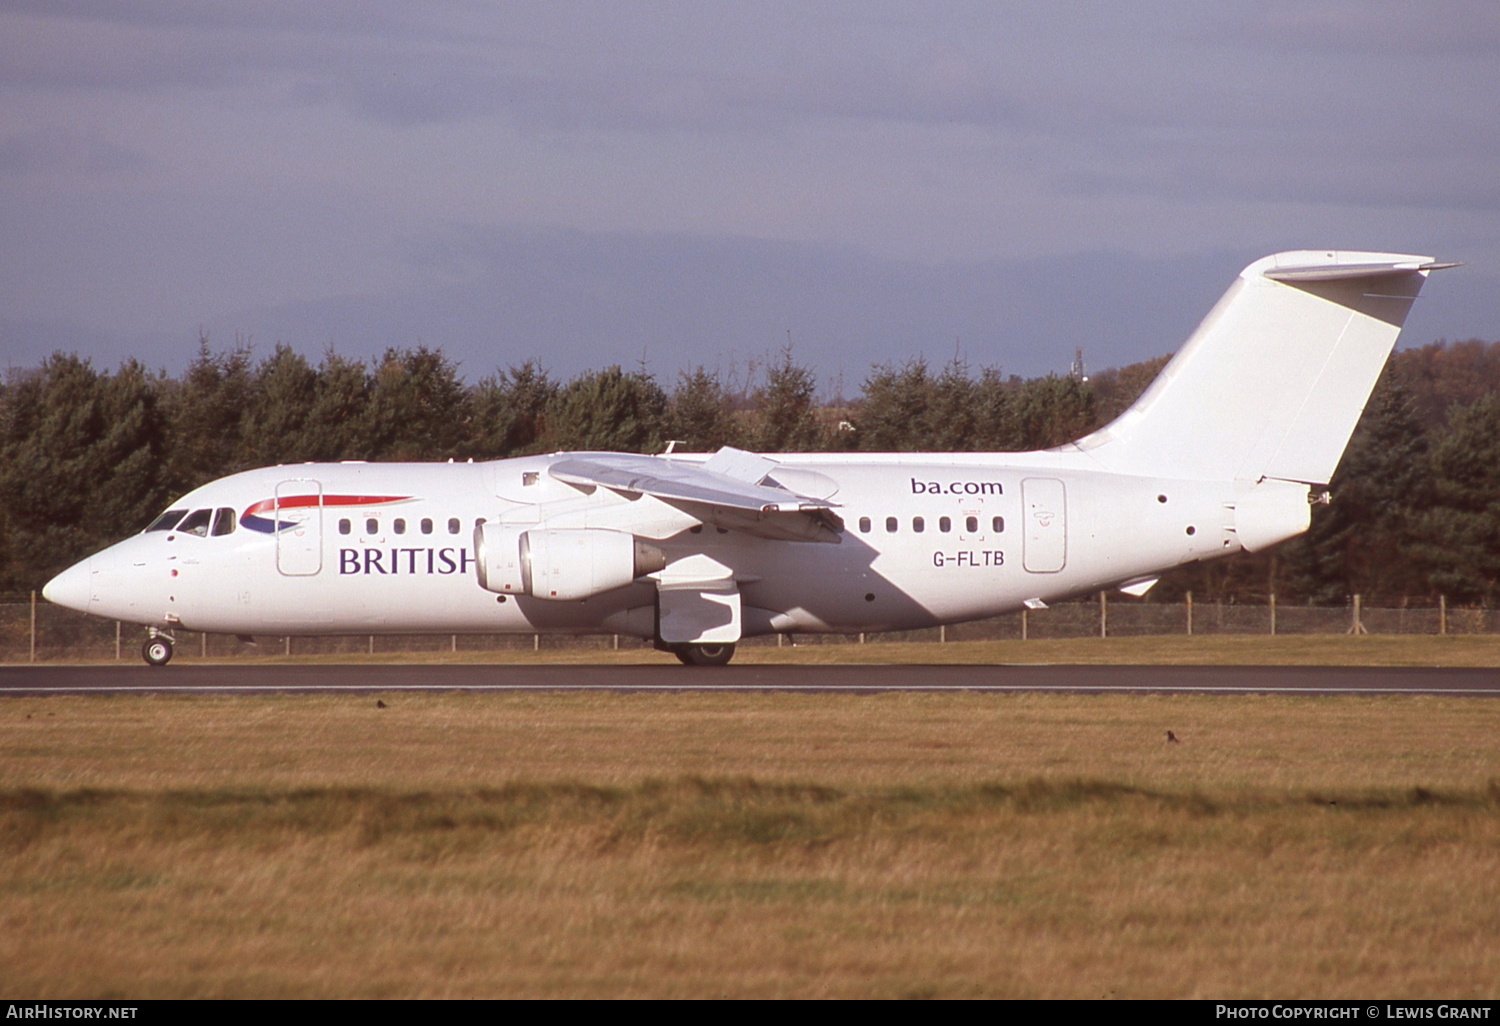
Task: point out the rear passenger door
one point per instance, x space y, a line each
1045 543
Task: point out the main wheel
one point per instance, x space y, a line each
704 655
157 651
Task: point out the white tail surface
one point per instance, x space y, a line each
1274 380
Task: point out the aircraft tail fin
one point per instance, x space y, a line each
1274 380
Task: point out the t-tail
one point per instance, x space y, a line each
1269 388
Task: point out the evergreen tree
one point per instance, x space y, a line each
1457 532
1362 542
701 413
206 412
284 390
608 410
907 409
1052 411
786 414
994 416
81 455
954 412
340 425
894 409
418 408
510 411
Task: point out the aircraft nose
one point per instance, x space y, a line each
72 588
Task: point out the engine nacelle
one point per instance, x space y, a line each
559 565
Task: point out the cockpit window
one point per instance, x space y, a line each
167 520
223 521
196 522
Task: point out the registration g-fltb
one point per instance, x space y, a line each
1223 453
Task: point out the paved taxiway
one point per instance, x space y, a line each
16 681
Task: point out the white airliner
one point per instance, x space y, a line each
1223 453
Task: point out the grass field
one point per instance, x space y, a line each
894 845
1212 650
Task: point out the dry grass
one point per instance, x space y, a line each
1199 650
1167 650
749 845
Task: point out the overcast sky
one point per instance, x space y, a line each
685 183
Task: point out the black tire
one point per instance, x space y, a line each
157 651
705 655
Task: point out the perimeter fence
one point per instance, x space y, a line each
42 632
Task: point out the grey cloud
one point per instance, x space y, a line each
263 16
1468 28
577 300
56 150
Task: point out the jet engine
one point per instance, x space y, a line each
560 564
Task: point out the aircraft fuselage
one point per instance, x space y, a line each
390 547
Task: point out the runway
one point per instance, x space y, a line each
35 681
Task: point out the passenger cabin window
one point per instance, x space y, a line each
398 525
945 524
223 521
196 523
453 525
971 524
997 524
426 525
372 526
918 524
344 526
864 525
890 525
167 520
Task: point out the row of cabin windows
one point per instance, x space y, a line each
398 525
945 525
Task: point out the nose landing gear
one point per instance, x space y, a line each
157 650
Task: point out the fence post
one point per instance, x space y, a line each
1273 612
1103 614
1023 623
287 645
33 627
1190 614
203 645
942 634
117 641
1356 625
1442 614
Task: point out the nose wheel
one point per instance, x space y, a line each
157 650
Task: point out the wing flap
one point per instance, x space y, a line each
723 497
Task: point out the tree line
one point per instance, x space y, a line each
88 456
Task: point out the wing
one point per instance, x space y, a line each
726 491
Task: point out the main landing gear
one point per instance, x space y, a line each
703 655
157 649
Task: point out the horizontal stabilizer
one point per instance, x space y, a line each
1338 272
